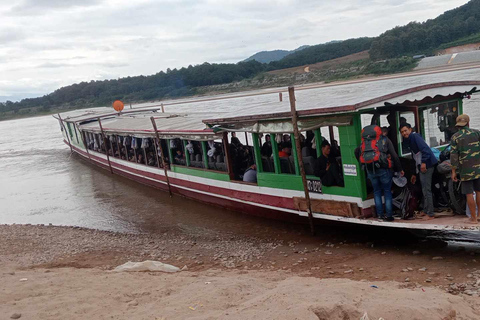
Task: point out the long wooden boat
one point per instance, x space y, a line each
130 144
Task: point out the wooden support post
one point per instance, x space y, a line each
256 151
228 158
280 96
163 155
66 132
105 143
163 109
291 93
246 139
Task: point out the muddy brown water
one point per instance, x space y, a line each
42 183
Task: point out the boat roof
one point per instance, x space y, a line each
169 125
351 97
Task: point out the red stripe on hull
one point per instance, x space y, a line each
176 185
276 201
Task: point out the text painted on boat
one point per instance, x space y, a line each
314 186
350 170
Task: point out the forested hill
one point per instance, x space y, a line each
462 24
424 38
268 56
322 52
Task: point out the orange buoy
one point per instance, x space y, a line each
118 105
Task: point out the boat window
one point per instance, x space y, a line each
194 152
329 146
148 147
178 154
405 117
158 152
439 123
216 155
121 148
241 155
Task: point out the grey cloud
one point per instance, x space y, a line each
9 35
40 7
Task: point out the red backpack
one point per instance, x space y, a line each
373 150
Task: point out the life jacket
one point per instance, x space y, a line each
374 148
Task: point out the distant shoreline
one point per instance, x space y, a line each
211 95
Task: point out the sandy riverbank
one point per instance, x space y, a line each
68 277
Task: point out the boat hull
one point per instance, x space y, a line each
242 197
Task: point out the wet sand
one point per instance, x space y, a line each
68 272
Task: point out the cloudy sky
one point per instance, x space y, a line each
47 44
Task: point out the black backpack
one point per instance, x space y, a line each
373 150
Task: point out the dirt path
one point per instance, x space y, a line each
68 277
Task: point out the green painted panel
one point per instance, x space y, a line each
258 155
318 142
201 173
295 154
350 139
170 153
205 155
279 181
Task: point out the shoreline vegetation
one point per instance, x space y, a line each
336 72
53 272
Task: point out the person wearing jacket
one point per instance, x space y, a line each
425 159
381 179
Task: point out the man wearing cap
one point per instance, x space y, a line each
465 159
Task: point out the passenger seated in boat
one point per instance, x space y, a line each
178 155
285 152
266 150
327 168
241 157
251 174
151 161
140 159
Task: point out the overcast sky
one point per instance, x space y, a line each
47 44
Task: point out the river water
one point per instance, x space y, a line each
42 183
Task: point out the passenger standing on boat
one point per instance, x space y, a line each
426 160
379 172
465 157
327 168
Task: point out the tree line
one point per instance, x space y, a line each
426 37
414 38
